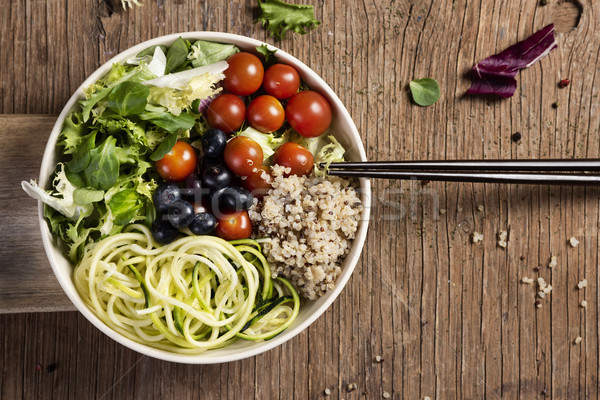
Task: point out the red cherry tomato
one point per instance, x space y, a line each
296 157
242 155
244 74
308 113
233 226
227 113
265 114
258 182
177 164
281 81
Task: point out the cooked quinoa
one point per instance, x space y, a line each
311 222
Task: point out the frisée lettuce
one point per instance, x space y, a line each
135 113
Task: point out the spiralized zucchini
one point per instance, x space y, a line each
195 294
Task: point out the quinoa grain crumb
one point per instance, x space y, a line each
477 237
583 303
582 284
577 340
573 241
553 262
327 392
502 239
386 395
527 280
378 359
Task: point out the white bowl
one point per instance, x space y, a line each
344 130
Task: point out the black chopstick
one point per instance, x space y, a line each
474 165
486 171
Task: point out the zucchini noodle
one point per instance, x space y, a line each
195 294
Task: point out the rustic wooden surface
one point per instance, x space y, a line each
450 318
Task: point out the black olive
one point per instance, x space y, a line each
231 199
193 188
214 142
162 231
216 177
165 195
203 223
181 214
208 162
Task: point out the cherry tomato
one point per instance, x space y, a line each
242 155
234 225
258 182
244 74
296 157
227 113
281 81
265 114
308 113
177 164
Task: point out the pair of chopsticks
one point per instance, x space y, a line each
548 172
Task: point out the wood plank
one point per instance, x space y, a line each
26 280
450 318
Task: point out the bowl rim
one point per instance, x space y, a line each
48 164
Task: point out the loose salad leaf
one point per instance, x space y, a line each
151 50
103 170
86 195
72 133
278 17
160 117
178 100
98 92
124 205
496 74
81 157
128 98
204 53
270 57
177 54
63 201
164 147
179 80
425 91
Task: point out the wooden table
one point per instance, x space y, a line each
450 318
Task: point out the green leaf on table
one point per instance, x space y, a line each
164 147
204 53
176 55
124 205
425 91
128 98
87 195
103 170
278 17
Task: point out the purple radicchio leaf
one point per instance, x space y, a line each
496 74
204 103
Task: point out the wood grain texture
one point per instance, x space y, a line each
450 318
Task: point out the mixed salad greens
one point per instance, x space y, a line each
134 116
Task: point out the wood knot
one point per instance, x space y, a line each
566 15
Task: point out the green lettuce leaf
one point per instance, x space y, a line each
278 17
204 53
178 100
